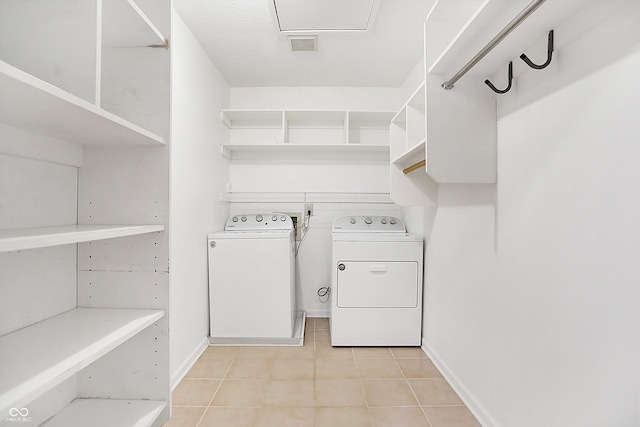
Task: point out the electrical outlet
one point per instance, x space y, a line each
296 217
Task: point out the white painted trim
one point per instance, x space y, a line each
318 313
476 408
188 363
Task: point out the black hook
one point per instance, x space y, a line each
549 53
493 88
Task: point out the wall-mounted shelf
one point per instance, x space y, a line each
56 113
41 237
108 413
408 146
412 155
81 336
309 197
309 130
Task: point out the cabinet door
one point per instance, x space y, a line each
377 284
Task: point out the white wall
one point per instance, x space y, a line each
532 296
198 175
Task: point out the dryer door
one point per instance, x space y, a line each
377 284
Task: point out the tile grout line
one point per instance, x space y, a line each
216 392
411 388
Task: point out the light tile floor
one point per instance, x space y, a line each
316 386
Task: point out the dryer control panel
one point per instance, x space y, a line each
368 224
259 222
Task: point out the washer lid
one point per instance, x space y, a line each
368 224
264 222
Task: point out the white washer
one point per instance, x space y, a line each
252 279
376 290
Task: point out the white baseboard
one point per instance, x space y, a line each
469 400
188 363
318 313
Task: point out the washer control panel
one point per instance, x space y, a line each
259 222
368 223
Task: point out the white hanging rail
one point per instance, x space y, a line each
310 197
449 84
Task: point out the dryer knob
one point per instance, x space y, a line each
243 219
234 219
274 218
352 220
341 267
259 218
283 218
383 220
368 220
392 221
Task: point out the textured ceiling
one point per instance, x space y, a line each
242 39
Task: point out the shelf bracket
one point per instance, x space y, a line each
414 167
505 90
549 54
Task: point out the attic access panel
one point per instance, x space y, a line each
324 15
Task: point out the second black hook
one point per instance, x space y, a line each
549 54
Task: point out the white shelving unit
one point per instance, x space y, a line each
454 131
83 331
302 131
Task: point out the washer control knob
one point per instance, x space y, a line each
368 220
274 218
383 220
259 218
352 220
392 221
283 218
243 219
234 219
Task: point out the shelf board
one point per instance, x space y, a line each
306 147
81 336
126 25
108 413
490 18
299 196
41 237
30 103
411 156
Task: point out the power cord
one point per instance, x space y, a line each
324 291
305 224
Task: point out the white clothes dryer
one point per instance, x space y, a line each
376 291
252 280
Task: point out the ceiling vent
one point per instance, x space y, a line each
303 43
